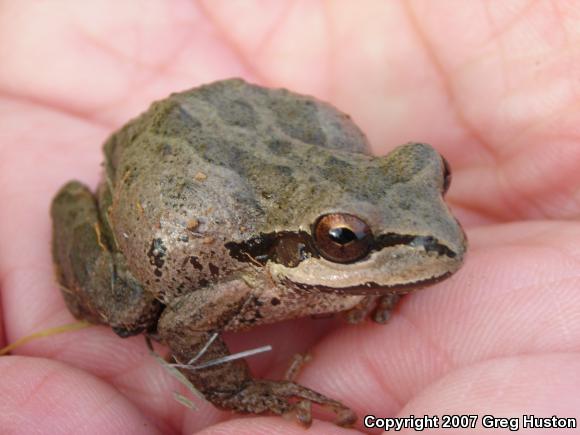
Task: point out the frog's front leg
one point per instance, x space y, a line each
94 279
187 326
378 308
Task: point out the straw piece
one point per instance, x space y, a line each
225 359
44 333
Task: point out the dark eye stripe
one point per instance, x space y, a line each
290 248
286 247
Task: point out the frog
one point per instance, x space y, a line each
232 205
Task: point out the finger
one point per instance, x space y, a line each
506 387
2 327
269 425
127 365
43 396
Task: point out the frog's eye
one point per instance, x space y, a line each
342 237
446 175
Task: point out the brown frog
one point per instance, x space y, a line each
231 205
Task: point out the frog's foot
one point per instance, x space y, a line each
284 398
360 311
384 307
378 308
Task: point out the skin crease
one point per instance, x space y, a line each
491 85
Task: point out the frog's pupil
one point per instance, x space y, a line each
342 235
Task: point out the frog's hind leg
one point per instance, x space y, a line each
95 282
191 325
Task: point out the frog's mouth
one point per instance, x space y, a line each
394 269
367 288
396 263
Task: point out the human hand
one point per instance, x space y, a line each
491 86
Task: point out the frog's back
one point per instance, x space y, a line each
261 145
225 158
273 119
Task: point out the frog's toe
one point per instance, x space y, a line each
301 412
361 311
384 307
289 399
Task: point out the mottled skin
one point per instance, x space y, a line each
173 243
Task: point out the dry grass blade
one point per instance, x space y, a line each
44 333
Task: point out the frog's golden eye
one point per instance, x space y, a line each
342 237
446 175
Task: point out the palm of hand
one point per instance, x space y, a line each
498 106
